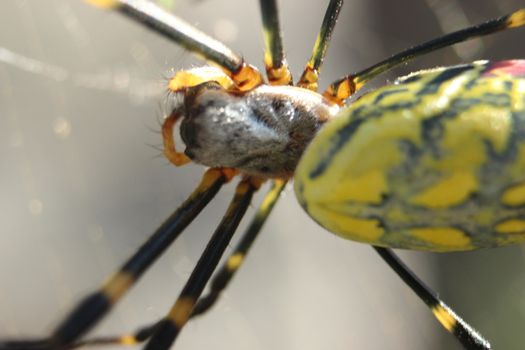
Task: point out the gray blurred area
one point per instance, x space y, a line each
81 187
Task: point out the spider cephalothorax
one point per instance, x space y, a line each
261 132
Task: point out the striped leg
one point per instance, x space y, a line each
466 335
345 87
169 328
310 75
219 281
274 60
223 277
95 306
245 76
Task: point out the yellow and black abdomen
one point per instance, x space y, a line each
433 162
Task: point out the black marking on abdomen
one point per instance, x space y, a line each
449 73
380 96
343 135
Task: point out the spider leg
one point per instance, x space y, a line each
310 74
233 263
343 88
96 305
276 66
170 326
141 335
219 281
466 335
245 76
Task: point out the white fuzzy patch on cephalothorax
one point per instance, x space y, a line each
262 132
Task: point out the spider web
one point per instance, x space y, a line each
80 91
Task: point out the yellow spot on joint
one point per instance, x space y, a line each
309 79
278 72
234 261
106 4
511 226
117 286
279 75
514 196
517 19
128 340
247 77
444 317
451 191
344 90
181 311
272 196
212 175
242 188
444 237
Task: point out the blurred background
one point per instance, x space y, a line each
81 95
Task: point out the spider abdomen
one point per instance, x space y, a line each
433 162
263 132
